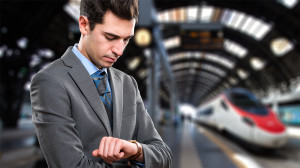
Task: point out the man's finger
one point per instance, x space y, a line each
110 152
117 152
101 147
95 152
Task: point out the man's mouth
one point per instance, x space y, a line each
109 59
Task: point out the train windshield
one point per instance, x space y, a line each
247 102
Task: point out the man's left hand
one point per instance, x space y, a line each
113 149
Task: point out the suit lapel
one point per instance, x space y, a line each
117 93
87 87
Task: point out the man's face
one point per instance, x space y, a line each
106 43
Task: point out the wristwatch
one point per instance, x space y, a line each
139 152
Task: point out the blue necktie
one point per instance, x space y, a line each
102 85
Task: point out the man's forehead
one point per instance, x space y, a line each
116 25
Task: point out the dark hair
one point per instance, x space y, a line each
94 10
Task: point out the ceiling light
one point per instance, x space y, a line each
134 63
242 73
288 3
172 42
281 46
235 48
257 63
22 42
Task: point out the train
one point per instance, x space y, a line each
240 113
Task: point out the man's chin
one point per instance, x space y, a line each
108 65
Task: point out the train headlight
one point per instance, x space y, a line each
248 121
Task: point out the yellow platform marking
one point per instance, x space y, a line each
239 160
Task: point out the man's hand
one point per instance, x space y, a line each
113 149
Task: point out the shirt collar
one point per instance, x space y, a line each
89 66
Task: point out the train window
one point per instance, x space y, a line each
208 111
224 105
248 102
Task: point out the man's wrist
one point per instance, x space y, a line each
139 151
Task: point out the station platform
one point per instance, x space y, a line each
192 148
191 145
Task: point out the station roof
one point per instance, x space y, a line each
251 44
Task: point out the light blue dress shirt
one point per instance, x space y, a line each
90 67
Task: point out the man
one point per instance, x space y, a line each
78 126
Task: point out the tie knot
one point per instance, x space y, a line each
100 80
99 73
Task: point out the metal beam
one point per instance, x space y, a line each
159 58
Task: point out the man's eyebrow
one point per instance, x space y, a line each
116 36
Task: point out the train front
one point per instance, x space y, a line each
267 129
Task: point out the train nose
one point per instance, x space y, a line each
279 142
271 140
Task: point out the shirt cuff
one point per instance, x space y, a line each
138 165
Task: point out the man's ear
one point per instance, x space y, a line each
84 25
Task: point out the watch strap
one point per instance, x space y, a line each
139 152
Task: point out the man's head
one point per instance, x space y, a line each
95 10
106 27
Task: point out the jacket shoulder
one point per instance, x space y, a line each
59 66
54 67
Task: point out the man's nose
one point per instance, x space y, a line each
118 47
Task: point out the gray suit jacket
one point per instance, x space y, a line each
70 118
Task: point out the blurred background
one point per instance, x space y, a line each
220 78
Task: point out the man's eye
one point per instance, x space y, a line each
109 38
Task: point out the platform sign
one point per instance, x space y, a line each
195 40
290 114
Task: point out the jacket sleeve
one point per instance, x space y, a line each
54 126
156 152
